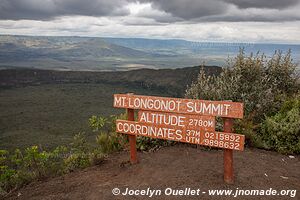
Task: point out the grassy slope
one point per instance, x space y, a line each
50 114
48 107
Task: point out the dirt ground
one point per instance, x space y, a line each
175 167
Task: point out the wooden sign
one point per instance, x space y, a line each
184 120
187 121
177 105
182 134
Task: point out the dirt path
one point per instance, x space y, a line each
174 167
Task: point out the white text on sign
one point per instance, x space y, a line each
176 119
176 133
177 105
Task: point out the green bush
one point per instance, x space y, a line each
79 144
6 174
262 84
79 156
108 140
77 161
281 132
97 122
146 143
97 157
20 167
250 130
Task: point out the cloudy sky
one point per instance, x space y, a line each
199 20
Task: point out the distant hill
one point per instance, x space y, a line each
177 47
24 49
83 53
118 54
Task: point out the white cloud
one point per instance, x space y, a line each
144 20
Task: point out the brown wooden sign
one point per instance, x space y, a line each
181 134
177 105
184 120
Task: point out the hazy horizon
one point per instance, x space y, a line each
118 54
153 38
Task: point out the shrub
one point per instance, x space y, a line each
108 140
97 122
6 174
262 84
146 143
97 157
79 156
20 167
281 132
79 144
77 161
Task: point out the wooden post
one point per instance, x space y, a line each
228 154
132 138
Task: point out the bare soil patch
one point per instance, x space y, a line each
175 167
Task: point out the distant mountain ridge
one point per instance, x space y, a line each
78 53
72 47
119 54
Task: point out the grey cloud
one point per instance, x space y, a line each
245 18
276 4
190 9
229 10
49 9
187 11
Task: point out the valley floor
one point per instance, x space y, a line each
176 167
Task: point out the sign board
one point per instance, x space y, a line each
177 105
181 134
183 120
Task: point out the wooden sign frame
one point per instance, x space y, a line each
172 119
